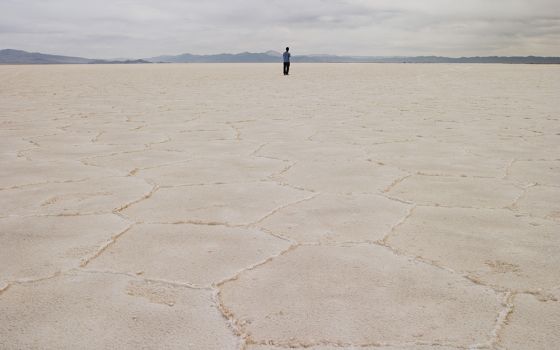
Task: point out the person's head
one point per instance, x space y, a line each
287 49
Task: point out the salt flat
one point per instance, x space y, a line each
226 206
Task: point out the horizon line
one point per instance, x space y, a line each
294 55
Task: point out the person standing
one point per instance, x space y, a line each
287 61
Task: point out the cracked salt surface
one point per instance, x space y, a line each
195 254
103 311
364 303
385 207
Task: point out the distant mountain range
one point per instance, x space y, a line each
245 57
273 56
9 56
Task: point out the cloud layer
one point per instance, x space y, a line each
144 28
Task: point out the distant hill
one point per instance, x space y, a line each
9 56
118 61
23 57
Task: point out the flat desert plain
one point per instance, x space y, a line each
226 206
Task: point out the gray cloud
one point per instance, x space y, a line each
143 28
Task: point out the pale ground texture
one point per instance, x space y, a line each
376 207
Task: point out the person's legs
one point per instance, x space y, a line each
285 68
288 68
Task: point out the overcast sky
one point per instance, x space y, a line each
145 28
